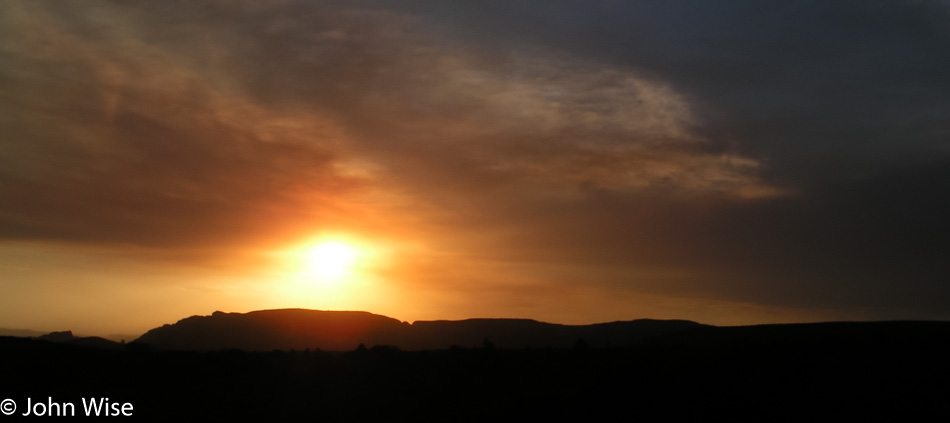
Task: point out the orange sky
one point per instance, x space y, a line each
165 160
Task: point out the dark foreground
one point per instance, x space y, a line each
761 374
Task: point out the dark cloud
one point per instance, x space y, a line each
840 103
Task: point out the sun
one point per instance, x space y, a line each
330 260
333 271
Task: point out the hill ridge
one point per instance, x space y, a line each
297 328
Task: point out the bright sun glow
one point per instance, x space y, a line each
330 260
332 271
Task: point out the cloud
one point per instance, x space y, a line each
784 155
134 131
118 140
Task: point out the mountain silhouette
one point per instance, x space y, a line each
239 366
23 333
301 329
63 336
284 329
67 337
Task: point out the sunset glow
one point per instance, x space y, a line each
424 160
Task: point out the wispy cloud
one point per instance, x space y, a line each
150 128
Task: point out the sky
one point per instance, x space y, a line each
729 162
